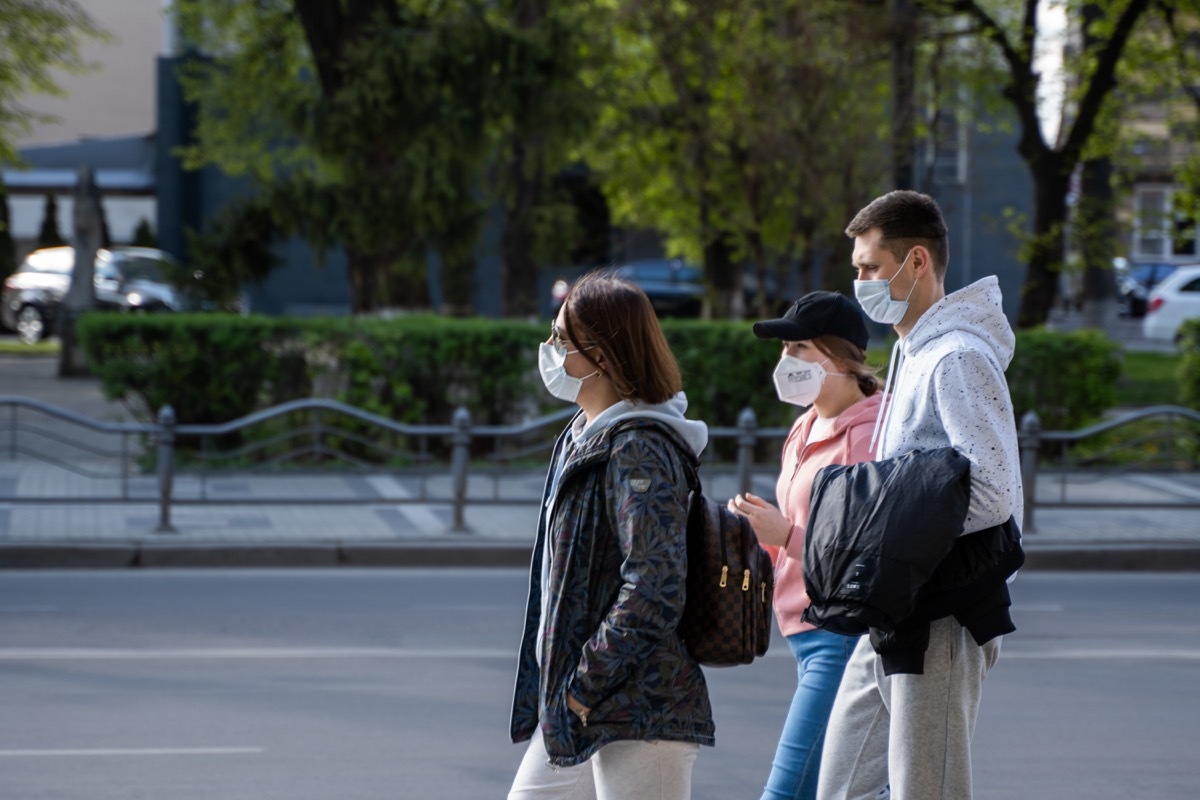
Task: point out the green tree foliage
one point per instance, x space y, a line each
370 124
37 39
1163 79
143 234
1010 31
8 250
743 130
235 250
49 234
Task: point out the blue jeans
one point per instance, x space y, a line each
820 660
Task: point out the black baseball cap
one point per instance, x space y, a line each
817 314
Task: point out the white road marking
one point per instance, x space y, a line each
388 487
1161 484
1103 655
135 751
331 653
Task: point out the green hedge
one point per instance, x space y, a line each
1189 367
1069 379
216 367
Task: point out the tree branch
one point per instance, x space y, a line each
1021 90
1102 81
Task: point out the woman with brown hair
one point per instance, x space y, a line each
612 702
823 367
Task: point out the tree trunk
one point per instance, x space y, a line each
1095 227
1046 248
518 271
81 294
724 278
375 284
904 23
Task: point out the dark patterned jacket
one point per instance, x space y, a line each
616 585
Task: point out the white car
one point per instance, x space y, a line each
1172 302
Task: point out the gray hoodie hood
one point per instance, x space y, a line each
670 413
975 309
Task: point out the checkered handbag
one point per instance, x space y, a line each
730 585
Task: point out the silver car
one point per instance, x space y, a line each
126 279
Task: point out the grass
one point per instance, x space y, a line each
14 347
1149 379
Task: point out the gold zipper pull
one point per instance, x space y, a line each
746 581
724 576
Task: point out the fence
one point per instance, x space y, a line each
1173 446
444 464
425 463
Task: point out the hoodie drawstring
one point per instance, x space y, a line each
883 418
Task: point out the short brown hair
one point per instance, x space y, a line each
853 359
617 317
906 219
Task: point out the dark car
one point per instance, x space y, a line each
126 279
1134 285
675 287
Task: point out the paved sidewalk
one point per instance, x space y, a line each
53 517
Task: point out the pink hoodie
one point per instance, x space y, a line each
848 443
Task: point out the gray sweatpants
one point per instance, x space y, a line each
910 731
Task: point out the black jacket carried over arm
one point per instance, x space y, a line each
884 552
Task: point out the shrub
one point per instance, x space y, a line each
1069 379
725 369
217 367
209 368
1189 367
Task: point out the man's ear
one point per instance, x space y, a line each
922 260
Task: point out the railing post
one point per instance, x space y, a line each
1030 439
460 456
747 439
12 432
166 467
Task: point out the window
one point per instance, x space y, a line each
1161 231
948 148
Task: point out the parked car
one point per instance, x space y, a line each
1172 302
126 279
675 287
1134 285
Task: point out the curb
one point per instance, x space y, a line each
1116 558
474 553
221 555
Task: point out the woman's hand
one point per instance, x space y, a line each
769 523
578 709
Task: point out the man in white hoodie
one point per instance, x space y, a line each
911 733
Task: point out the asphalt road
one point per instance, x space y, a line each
298 684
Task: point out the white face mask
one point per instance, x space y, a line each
552 365
798 381
875 297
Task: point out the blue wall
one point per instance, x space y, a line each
997 181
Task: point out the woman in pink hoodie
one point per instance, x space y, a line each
823 366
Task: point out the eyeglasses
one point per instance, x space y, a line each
562 345
558 342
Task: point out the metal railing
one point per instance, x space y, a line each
324 437
1170 446
317 436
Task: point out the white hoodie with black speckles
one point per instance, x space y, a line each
948 388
